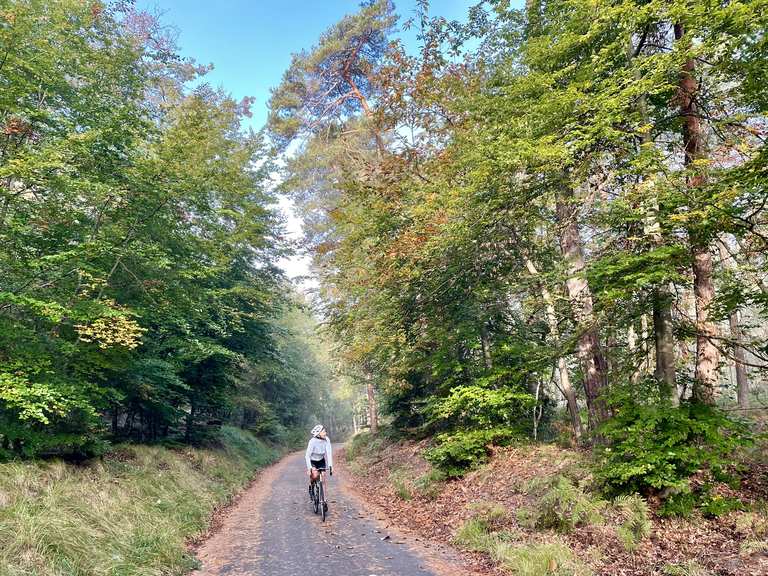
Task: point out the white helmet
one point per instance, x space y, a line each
317 429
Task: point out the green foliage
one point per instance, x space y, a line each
456 453
562 506
401 484
363 444
430 484
701 499
477 406
485 532
654 446
689 568
539 559
128 513
138 244
635 520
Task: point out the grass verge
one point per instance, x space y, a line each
128 514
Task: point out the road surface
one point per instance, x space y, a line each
272 531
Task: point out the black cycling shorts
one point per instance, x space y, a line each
319 464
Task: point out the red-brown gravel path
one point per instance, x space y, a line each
272 531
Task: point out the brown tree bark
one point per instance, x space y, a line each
589 350
706 373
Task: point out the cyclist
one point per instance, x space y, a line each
319 455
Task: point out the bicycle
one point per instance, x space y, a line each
317 494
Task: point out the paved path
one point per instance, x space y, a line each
272 531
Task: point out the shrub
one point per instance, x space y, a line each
654 447
485 404
562 506
711 505
459 452
636 523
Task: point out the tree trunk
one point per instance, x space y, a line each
742 380
373 416
734 324
707 355
665 342
661 298
485 342
580 295
562 366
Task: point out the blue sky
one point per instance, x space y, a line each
250 42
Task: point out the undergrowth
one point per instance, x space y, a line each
128 513
488 531
398 479
689 568
561 505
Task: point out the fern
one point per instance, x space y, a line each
563 506
636 523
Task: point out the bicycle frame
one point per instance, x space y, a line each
319 501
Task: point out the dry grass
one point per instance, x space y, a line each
130 513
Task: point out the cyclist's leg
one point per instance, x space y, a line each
312 482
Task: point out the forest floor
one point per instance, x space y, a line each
397 480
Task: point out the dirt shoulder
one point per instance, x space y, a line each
395 479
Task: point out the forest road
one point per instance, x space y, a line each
272 531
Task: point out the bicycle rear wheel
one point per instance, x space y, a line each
323 505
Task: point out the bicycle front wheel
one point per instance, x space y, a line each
315 498
323 505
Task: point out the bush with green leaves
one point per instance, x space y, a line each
654 447
485 404
702 499
457 453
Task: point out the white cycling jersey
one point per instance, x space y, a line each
319 449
